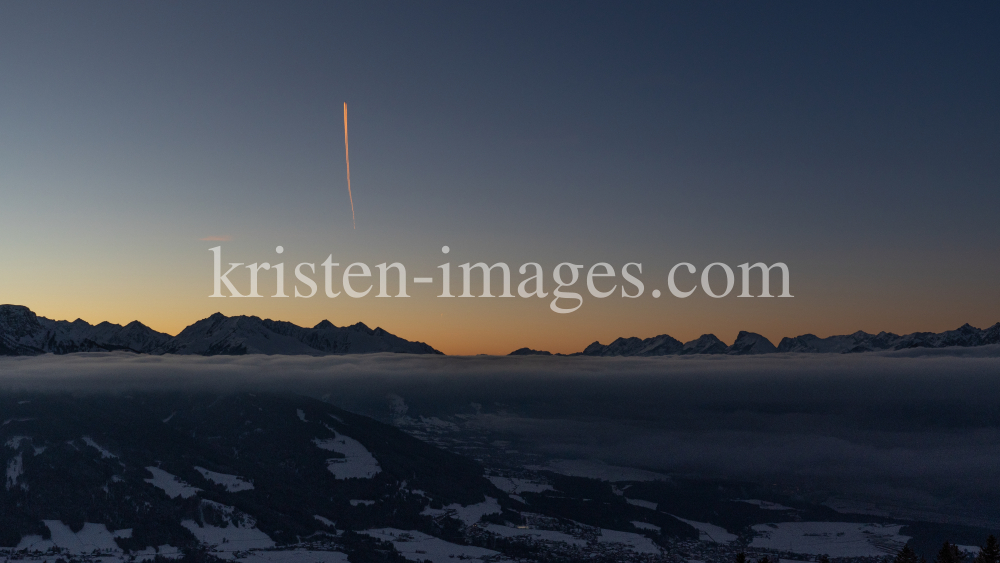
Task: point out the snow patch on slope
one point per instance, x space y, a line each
89 538
710 532
232 483
417 546
358 462
642 503
325 521
629 540
15 441
765 505
105 454
836 539
232 538
470 514
541 535
170 484
646 526
15 469
515 486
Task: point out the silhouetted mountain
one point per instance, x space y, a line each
354 339
232 336
964 336
661 345
750 343
222 335
704 344
23 333
529 352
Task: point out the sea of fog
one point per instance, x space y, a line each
913 432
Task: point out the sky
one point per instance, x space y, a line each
858 143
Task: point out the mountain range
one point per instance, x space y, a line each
23 333
751 343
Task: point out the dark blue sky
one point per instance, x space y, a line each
857 142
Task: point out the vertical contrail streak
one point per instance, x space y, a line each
347 157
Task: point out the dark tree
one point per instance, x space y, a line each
823 559
949 553
906 555
990 553
742 557
764 559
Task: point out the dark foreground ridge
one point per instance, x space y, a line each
154 477
23 333
751 343
173 469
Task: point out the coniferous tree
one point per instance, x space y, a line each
990 553
906 555
742 557
764 559
949 553
823 559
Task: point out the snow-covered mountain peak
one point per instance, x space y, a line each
24 333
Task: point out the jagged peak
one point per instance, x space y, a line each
663 337
704 337
215 334
748 334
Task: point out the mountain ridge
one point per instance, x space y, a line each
751 343
253 466
23 333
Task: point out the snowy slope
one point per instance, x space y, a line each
23 333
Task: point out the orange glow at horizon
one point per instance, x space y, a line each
347 157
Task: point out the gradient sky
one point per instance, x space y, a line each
857 142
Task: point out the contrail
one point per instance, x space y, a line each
347 157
